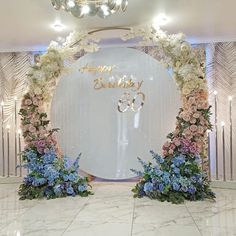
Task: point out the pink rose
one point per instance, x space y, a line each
196 115
193 128
165 153
193 149
32 129
28 102
176 142
200 130
167 144
171 151
193 121
35 102
192 100
187 131
186 118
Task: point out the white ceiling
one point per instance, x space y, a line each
26 24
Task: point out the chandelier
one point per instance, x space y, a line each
81 8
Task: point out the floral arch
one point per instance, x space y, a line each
174 177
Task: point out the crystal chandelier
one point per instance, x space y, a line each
81 8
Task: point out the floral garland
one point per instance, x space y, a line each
178 175
50 174
187 142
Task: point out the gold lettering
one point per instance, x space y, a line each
121 82
98 83
97 69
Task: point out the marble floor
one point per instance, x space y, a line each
112 211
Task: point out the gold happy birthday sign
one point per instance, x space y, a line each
127 101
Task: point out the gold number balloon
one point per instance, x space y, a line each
126 102
138 108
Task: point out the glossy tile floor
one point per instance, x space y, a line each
113 212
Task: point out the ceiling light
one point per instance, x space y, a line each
81 8
160 20
118 2
57 26
105 10
85 10
70 3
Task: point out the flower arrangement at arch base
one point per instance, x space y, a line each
173 179
50 174
51 177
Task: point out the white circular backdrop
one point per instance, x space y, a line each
90 122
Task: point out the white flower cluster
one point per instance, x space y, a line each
44 75
179 55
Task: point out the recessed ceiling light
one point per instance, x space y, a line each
58 26
105 10
118 2
70 3
160 20
85 10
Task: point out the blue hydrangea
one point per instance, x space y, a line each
57 189
179 160
157 171
166 178
49 157
176 186
51 173
58 177
191 189
161 187
176 170
82 188
148 187
193 179
70 190
72 176
184 188
39 181
179 174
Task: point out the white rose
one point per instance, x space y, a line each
38 91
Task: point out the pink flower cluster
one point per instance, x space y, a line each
35 124
187 146
181 145
192 124
44 145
